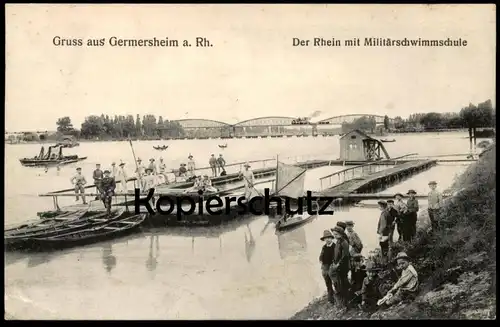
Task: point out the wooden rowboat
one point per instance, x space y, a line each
44 224
161 148
293 221
116 228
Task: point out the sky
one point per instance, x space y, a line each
252 69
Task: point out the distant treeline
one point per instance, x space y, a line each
482 115
121 127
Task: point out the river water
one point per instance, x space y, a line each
242 270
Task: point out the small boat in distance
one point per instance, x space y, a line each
50 158
387 141
223 146
160 148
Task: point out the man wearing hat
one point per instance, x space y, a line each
384 229
326 260
412 205
340 268
393 213
435 200
248 179
191 165
221 163
407 285
149 180
152 166
162 169
355 243
97 175
402 209
213 165
79 181
108 186
114 169
343 225
140 171
370 290
122 177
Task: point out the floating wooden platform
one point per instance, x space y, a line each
377 181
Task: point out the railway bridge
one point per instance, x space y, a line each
274 125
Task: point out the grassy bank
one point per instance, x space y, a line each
456 265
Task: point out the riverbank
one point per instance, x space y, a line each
456 265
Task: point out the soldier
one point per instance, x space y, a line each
79 181
108 186
213 165
97 175
221 163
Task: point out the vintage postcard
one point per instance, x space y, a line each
250 162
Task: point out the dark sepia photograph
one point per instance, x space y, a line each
250 162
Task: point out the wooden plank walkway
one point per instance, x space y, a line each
374 181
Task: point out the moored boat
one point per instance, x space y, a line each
22 238
43 224
387 141
120 227
161 148
293 221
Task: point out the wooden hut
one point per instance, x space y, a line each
358 146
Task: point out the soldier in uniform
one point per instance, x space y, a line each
79 181
108 186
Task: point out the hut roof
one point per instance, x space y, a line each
366 136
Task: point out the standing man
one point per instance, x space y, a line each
221 163
140 171
340 268
152 166
97 175
108 186
248 179
114 170
435 200
213 165
123 178
79 181
326 260
393 213
191 165
413 207
384 229
355 243
402 209
162 167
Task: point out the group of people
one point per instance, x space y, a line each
351 281
217 165
401 216
104 182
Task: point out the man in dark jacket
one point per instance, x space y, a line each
108 186
326 260
384 229
370 290
97 175
393 213
340 268
413 208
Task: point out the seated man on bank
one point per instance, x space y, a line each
406 288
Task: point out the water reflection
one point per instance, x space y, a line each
292 242
38 259
108 259
154 252
249 243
